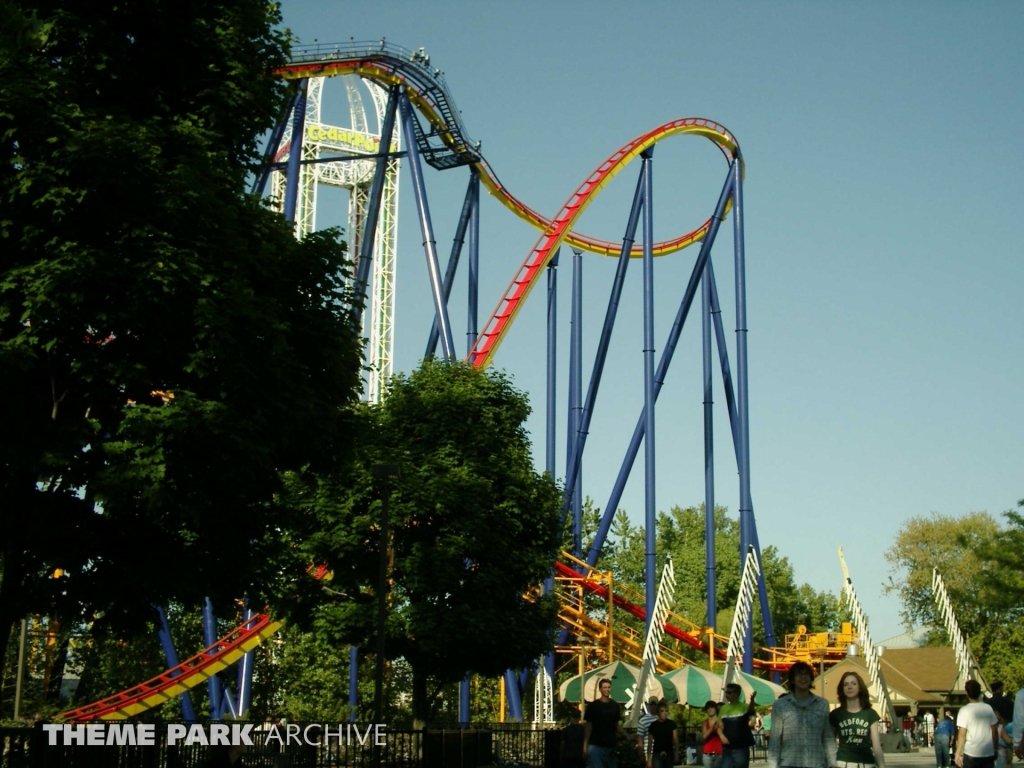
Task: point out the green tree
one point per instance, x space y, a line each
166 347
980 562
953 545
1004 581
473 528
681 533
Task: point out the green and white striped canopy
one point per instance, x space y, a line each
622 675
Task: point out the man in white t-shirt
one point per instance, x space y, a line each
978 734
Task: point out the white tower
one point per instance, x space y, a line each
355 176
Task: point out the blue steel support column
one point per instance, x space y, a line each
164 633
515 702
576 395
650 505
464 700
474 263
723 355
259 184
387 131
552 350
709 451
245 674
742 408
291 186
212 682
659 377
353 682
427 230
453 263
606 332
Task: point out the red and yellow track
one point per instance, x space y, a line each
388 69
186 675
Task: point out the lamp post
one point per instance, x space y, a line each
382 473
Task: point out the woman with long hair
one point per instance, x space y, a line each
856 725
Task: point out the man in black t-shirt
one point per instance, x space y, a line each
572 753
602 723
663 740
1001 705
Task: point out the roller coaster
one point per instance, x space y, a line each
413 98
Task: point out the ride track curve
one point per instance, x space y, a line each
393 66
175 681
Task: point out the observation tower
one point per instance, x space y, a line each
321 140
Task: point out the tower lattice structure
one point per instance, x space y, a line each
323 140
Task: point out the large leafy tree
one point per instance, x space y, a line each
166 347
981 563
473 528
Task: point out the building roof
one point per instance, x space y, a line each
902 689
932 669
913 638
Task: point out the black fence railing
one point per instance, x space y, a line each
324 746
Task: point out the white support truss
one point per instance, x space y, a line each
543 697
741 618
656 628
356 176
869 652
965 661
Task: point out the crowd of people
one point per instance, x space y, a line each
801 730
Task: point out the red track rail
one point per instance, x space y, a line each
564 571
188 674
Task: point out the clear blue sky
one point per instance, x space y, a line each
884 238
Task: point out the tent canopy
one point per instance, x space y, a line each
622 675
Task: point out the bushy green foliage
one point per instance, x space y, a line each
166 347
981 562
473 526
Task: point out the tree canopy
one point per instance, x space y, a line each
981 562
167 348
681 534
473 528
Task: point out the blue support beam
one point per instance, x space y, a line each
291 186
709 452
576 398
583 427
369 232
706 327
427 230
464 700
650 504
513 697
353 682
259 184
212 682
552 359
742 405
730 399
659 378
474 265
453 261
188 713
245 673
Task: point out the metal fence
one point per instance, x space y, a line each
340 745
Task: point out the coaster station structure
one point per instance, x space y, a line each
412 101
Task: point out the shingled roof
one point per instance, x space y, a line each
931 669
926 676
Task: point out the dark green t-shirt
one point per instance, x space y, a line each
854 730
